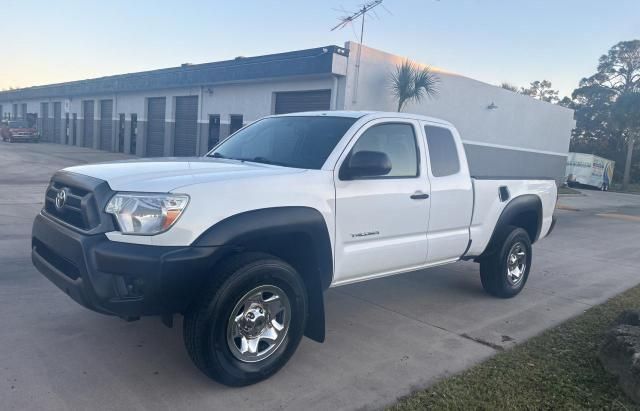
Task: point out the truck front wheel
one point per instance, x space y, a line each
505 271
249 321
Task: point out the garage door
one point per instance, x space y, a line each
106 124
44 112
87 123
295 101
155 126
57 122
186 131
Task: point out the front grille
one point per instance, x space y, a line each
76 210
85 199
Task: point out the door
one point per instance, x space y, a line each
106 125
381 222
133 141
297 101
44 129
451 195
121 125
214 130
186 130
57 122
66 128
155 126
87 123
74 128
235 123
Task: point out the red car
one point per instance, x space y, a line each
18 130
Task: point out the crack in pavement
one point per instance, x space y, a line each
381 307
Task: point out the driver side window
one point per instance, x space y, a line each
398 142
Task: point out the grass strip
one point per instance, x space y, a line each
558 369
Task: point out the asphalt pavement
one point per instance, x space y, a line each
385 338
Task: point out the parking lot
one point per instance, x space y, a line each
385 338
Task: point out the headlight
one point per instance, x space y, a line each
146 214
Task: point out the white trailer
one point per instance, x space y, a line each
590 170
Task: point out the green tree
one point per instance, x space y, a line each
541 90
508 86
598 115
626 117
411 83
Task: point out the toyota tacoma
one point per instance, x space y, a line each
244 241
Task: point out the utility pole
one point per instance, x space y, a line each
345 21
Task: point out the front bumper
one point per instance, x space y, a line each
25 137
126 280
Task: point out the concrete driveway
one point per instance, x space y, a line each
385 338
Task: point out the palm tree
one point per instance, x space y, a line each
411 83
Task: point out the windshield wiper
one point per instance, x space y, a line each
216 155
264 160
258 159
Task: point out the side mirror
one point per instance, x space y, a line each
366 164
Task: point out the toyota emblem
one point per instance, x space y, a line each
61 199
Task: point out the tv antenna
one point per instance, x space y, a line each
347 20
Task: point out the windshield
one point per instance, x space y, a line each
300 142
18 124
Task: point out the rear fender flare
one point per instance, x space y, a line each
524 204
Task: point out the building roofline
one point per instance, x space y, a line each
315 61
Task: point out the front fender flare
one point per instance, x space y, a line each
252 226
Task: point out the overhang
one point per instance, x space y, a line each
310 62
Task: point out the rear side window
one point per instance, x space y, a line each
442 151
397 141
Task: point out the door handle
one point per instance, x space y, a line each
419 195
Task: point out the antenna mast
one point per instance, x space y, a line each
344 22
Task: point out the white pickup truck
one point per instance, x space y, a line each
244 241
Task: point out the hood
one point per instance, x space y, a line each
168 174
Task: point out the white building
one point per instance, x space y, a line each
185 110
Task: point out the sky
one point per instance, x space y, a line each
515 41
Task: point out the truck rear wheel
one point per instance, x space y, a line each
505 271
249 321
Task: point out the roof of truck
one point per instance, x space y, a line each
371 115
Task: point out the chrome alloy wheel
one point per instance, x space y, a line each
516 264
258 323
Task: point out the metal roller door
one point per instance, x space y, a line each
186 130
155 126
106 124
296 101
44 113
57 122
87 123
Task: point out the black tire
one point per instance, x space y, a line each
207 320
494 268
